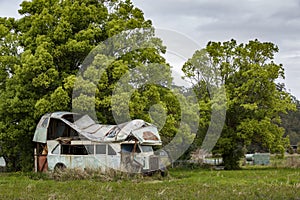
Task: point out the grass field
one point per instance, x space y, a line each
262 183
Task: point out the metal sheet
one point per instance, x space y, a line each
40 135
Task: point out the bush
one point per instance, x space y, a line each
290 150
189 164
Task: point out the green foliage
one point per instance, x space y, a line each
44 51
254 101
41 54
291 123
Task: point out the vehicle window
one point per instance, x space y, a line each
74 149
45 122
90 149
58 128
147 148
56 150
128 148
101 149
111 151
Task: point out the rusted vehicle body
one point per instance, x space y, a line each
70 140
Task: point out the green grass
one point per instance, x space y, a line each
250 183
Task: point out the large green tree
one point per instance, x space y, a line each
45 52
41 54
253 100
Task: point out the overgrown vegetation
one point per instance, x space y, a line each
250 183
42 52
290 161
98 175
291 124
254 101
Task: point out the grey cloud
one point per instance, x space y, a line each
276 21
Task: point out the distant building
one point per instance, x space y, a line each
258 158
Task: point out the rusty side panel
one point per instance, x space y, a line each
41 157
42 163
147 135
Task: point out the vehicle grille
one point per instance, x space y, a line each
154 163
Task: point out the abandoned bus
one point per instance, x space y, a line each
70 140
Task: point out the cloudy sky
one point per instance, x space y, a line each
201 21
274 21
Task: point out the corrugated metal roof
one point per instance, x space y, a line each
144 132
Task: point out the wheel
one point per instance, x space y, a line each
164 172
59 167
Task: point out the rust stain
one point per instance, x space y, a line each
147 135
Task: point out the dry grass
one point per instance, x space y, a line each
289 161
99 175
292 162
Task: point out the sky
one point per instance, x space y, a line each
273 21
195 22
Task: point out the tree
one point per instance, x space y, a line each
135 82
253 100
291 123
41 54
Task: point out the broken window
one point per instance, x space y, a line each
58 128
111 151
147 148
90 149
128 148
45 122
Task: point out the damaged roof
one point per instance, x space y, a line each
87 128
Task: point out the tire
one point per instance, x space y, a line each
164 172
59 167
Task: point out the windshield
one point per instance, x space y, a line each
128 148
147 148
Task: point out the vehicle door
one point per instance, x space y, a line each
101 156
113 156
40 137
